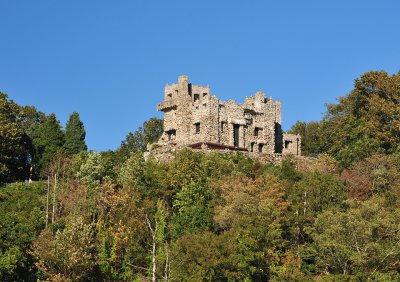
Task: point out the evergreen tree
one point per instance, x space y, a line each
47 139
75 135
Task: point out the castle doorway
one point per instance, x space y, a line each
236 135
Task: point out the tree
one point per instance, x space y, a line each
74 135
149 133
366 120
92 172
311 143
47 138
250 215
15 146
363 241
69 253
21 220
374 175
196 257
192 210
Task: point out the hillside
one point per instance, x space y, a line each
111 216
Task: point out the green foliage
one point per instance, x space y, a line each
310 196
15 145
316 192
362 123
192 210
206 216
137 141
362 240
93 171
48 139
21 220
148 178
196 258
132 172
186 168
214 217
311 137
74 135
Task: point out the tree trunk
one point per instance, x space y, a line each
54 199
167 266
153 251
47 200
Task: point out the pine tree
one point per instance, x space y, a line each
75 135
47 138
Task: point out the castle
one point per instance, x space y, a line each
195 118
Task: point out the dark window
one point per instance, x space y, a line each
169 95
197 127
287 143
252 147
260 148
196 97
222 126
204 94
236 135
257 131
171 134
176 91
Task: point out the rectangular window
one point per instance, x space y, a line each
222 126
236 135
197 127
260 148
257 131
196 97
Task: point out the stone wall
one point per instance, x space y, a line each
291 144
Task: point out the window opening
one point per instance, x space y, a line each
236 135
197 127
252 147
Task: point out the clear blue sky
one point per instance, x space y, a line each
109 60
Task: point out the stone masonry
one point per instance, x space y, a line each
195 118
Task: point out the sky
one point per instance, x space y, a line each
110 60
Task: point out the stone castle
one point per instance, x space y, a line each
195 118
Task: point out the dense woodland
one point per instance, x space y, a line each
111 216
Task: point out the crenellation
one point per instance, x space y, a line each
193 116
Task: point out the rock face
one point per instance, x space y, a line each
195 118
